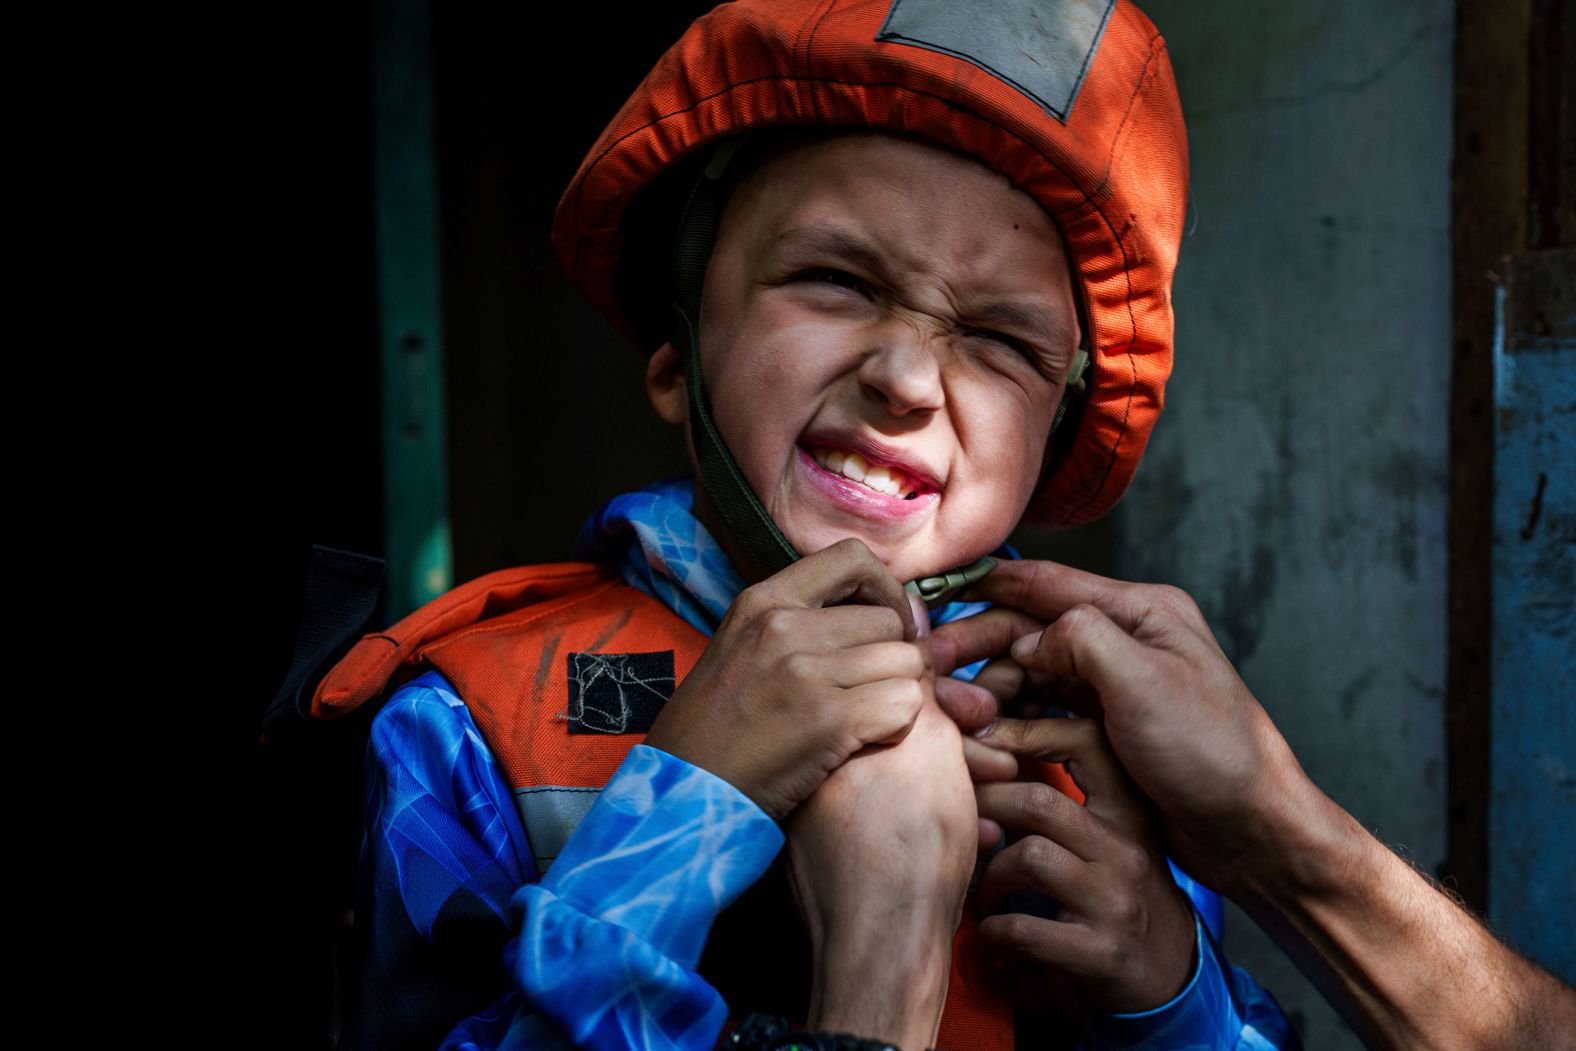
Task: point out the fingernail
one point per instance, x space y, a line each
985 730
921 616
1026 645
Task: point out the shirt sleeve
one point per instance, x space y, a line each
599 954
1221 1007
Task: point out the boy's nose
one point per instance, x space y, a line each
902 371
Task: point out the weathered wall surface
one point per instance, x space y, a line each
1296 484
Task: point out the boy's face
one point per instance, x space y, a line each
879 300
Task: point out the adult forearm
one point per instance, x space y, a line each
1404 964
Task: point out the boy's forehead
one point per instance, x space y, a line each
858 175
854 164
844 193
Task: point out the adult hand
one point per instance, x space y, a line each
1179 718
794 682
1401 961
1124 933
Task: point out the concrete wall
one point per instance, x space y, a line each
1296 484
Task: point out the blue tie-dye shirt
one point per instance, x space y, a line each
469 946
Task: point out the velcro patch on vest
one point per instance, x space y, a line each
618 693
1041 47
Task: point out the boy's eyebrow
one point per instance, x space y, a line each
833 240
836 241
1013 314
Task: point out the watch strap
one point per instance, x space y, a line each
762 1032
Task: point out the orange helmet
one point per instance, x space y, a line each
1072 100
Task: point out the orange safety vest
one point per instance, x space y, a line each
520 646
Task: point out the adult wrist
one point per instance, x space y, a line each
1195 968
1310 850
1257 848
1201 1014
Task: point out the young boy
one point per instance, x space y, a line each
887 306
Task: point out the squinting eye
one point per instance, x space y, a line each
1017 346
833 276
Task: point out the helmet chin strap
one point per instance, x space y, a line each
764 545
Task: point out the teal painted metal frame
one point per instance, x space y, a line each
410 307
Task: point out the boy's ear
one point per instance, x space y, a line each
665 384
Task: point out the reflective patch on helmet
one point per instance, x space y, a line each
1041 47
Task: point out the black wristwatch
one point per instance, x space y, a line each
772 1033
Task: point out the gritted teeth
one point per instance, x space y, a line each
889 481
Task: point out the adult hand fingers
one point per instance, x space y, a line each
1003 677
1063 694
1157 613
971 707
919 614
1048 589
1049 943
1033 863
986 634
1081 744
844 572
1038 809
1015 690
1087 645
988 764
1029 594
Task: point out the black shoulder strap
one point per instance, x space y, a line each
342 590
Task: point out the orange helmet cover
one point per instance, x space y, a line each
1090 126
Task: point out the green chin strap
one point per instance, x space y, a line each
764 545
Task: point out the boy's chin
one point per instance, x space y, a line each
906 562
